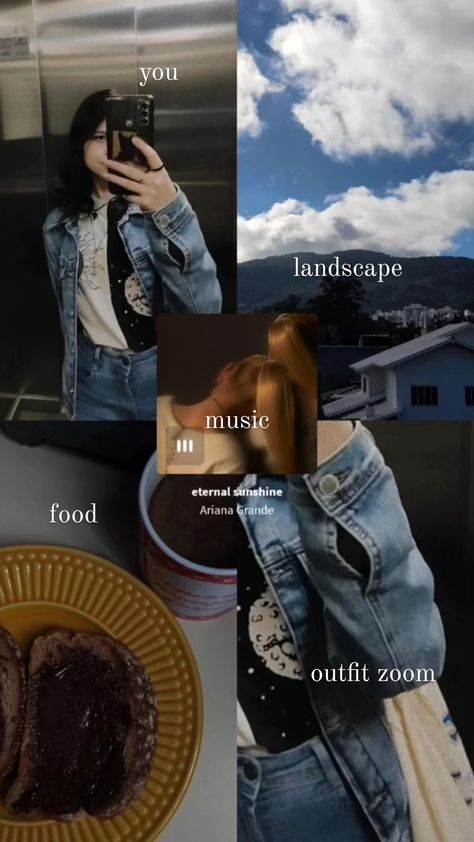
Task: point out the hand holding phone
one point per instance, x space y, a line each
135 170
151 188
128 116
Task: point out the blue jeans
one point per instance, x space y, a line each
296 796
115 385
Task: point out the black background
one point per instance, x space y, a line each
192 349
433 463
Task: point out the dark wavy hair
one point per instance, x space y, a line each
74 192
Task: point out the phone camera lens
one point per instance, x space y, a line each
129 123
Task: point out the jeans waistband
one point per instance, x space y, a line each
99 351
281 761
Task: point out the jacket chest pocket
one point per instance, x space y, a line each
299 601
62 267
146 272
66 267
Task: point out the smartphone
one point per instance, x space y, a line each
125 117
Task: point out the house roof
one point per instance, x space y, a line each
355 399
422 345
357 404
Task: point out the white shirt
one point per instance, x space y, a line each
217 453
94 300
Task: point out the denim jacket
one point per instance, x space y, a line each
168 243
386 620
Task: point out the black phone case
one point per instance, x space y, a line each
126 116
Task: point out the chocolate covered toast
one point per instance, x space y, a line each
12 700
90 730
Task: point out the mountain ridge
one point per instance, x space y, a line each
434 281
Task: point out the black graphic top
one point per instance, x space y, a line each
129 298
272 692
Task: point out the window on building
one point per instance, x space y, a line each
469 395
424 396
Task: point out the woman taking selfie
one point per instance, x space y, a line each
116 261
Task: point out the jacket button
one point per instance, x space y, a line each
329 484
164 219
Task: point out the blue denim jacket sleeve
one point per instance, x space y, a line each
386 620
52 257
178 223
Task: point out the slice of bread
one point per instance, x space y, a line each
90 731
12 700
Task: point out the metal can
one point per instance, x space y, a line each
191 591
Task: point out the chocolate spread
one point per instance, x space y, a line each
82 720
4 683
213 540
2 730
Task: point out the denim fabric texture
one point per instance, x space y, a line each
296 796
187 270
387 620
115 385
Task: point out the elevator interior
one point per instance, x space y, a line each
53 53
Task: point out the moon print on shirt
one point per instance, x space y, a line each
136 296
271 638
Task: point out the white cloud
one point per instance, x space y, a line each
252 85
378 75
420 217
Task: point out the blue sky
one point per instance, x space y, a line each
283 158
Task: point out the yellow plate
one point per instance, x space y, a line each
45 586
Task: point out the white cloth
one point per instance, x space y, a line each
245 737
94 301
219 453
437 772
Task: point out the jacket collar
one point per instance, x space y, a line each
57 218
248 481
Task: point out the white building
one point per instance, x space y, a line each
430 378
395 316
447 314
416 314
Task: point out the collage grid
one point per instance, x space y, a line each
238 252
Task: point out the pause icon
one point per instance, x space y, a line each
185 446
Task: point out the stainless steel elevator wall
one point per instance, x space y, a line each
76 47
24 292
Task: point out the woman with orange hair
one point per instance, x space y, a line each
215 451
287 393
